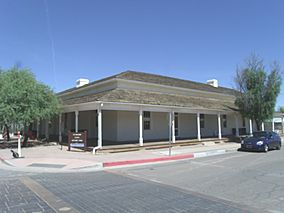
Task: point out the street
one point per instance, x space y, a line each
233 182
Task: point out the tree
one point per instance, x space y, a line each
258 90
23 99
281 109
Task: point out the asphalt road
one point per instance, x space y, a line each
234 182
244 178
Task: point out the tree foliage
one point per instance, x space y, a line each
258 90
23 99
281 109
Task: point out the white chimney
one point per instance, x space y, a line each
81 82
213 82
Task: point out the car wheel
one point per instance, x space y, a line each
266 148
279 146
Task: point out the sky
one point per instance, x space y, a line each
61 41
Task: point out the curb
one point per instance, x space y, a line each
6 162
149 160
137 162
162 159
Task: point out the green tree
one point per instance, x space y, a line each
258 90
23 99
281 109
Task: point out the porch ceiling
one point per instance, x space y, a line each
154 98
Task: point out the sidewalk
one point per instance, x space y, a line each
53 159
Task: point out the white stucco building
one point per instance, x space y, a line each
135 107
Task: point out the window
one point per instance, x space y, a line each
224 121
147 120
202 121
244 122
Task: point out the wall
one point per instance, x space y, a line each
127 126
109 121
159 127
187 125
87 121
211 126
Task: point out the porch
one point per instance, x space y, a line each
133 125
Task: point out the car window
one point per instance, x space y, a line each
260 134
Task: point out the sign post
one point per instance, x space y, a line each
77 140
19 144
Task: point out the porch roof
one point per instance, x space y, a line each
154 98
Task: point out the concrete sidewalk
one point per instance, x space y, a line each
53 159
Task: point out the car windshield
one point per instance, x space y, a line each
260 134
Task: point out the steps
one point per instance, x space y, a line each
158 145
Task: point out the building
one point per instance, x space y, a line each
136 107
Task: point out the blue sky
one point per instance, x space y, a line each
63 40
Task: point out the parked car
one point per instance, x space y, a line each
262 141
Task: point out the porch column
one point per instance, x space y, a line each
37 129
198 127
100 143
46 130
170 126
59 128
237 125
219 127
250 126
262 126
273 128
76 120
140 127
173 128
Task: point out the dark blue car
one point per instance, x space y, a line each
262 141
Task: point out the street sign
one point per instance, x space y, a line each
77 140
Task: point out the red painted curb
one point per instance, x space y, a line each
149 160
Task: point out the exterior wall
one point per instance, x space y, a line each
231 123
70 122
121 126
211 126
87 121
159 127
109 122
127 126
187 125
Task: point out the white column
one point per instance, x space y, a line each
170 126
262 126
250 126
273 128
46 129
173 128
59 128
100 142
198 127
237 125
76 120
140 127
219 127
19 145
37 129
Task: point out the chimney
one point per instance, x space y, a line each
81 82
213 82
